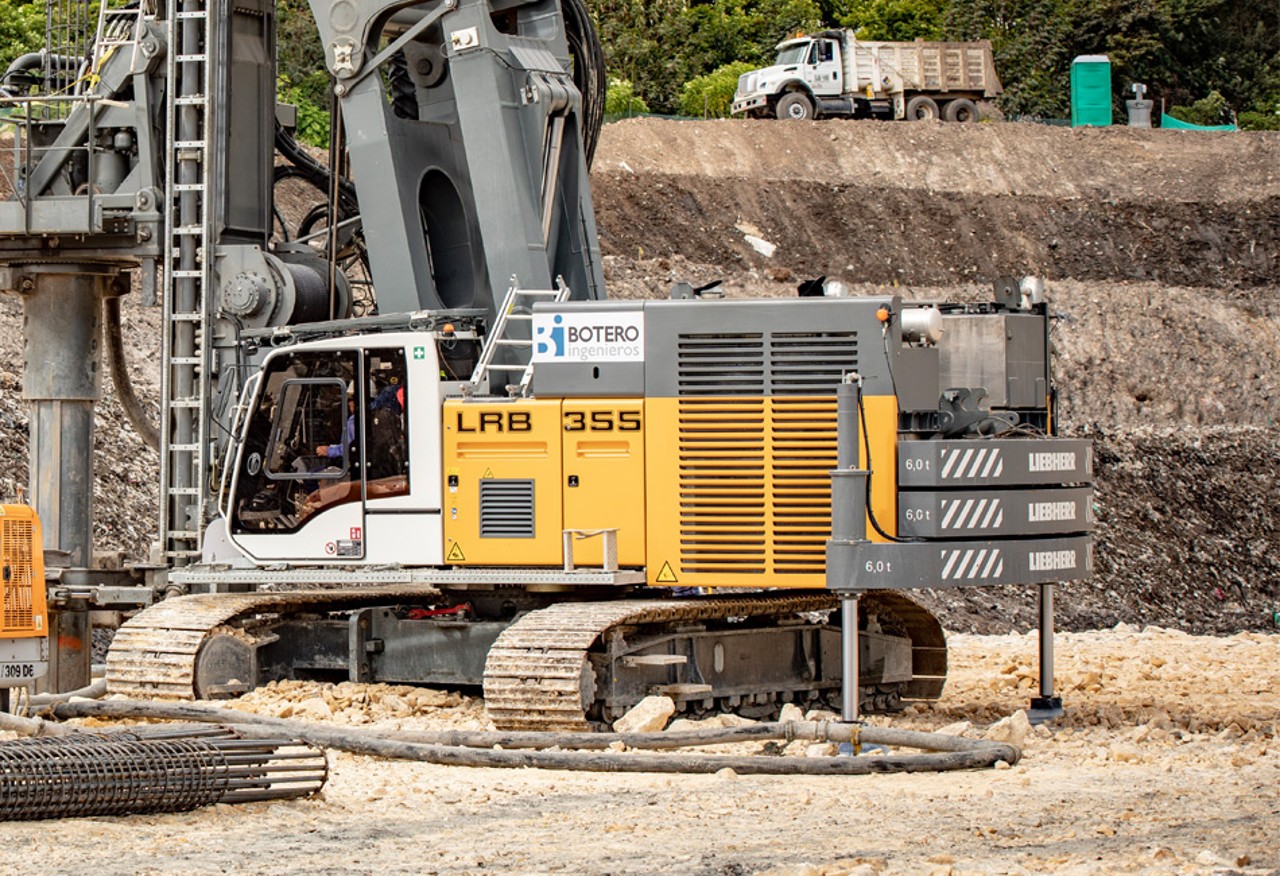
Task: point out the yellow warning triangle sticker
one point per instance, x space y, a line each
455 554
665 575
488 473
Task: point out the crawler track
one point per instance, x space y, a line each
154 654
538 677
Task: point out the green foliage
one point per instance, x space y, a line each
620 99
1179 48
1252 120
313 117
658 45
21 30
710 96
302 78
896 20
1209 110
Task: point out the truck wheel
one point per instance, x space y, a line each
795 106
960 110
922 109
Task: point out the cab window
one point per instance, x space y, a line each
302 451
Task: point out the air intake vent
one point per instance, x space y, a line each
16 548
723 486
715 364
810 363
802 437
755 485
506 508
795 363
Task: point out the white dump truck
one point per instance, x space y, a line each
833 74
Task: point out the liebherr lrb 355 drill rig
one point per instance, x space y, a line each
411 442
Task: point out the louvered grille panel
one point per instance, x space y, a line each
810 363
803 444
755 493
16 548
720 364
723 485
506 508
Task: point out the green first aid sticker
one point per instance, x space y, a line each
419 352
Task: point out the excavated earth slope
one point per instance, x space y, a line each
1161 255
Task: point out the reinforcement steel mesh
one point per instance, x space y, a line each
132 773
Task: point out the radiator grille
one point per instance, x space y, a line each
810 363
803 438
506 508
720 364
16 537
754 488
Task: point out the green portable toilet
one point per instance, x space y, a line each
1091 91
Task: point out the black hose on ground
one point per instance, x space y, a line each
129 401
456 749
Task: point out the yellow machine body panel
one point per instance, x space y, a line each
604 459
503 495
25 610
739 489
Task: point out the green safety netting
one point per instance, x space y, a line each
1168 121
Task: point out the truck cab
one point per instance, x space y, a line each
806 69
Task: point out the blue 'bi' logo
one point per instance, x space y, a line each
556 336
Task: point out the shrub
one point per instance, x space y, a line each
710 96
620 99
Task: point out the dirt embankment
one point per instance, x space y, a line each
934 204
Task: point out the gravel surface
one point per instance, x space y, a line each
1165 763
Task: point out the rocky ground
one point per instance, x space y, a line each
1160 253
1165 763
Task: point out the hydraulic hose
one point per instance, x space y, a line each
134 410
588 70
476 749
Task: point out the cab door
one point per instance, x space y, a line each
822 70
297 492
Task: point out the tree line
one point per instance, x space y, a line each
1215 59
1223 55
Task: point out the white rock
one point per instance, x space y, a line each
959 728
822 749
313 708
647 716
1013 729
791 712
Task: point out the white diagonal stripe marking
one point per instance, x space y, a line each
973 470
951 460
995 455
995 506
950 507
982 555
953 556
995 555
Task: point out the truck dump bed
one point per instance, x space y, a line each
892 68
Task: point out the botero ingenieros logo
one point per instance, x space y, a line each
554 336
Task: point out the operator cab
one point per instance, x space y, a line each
337 458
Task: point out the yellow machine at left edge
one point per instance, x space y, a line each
24 622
